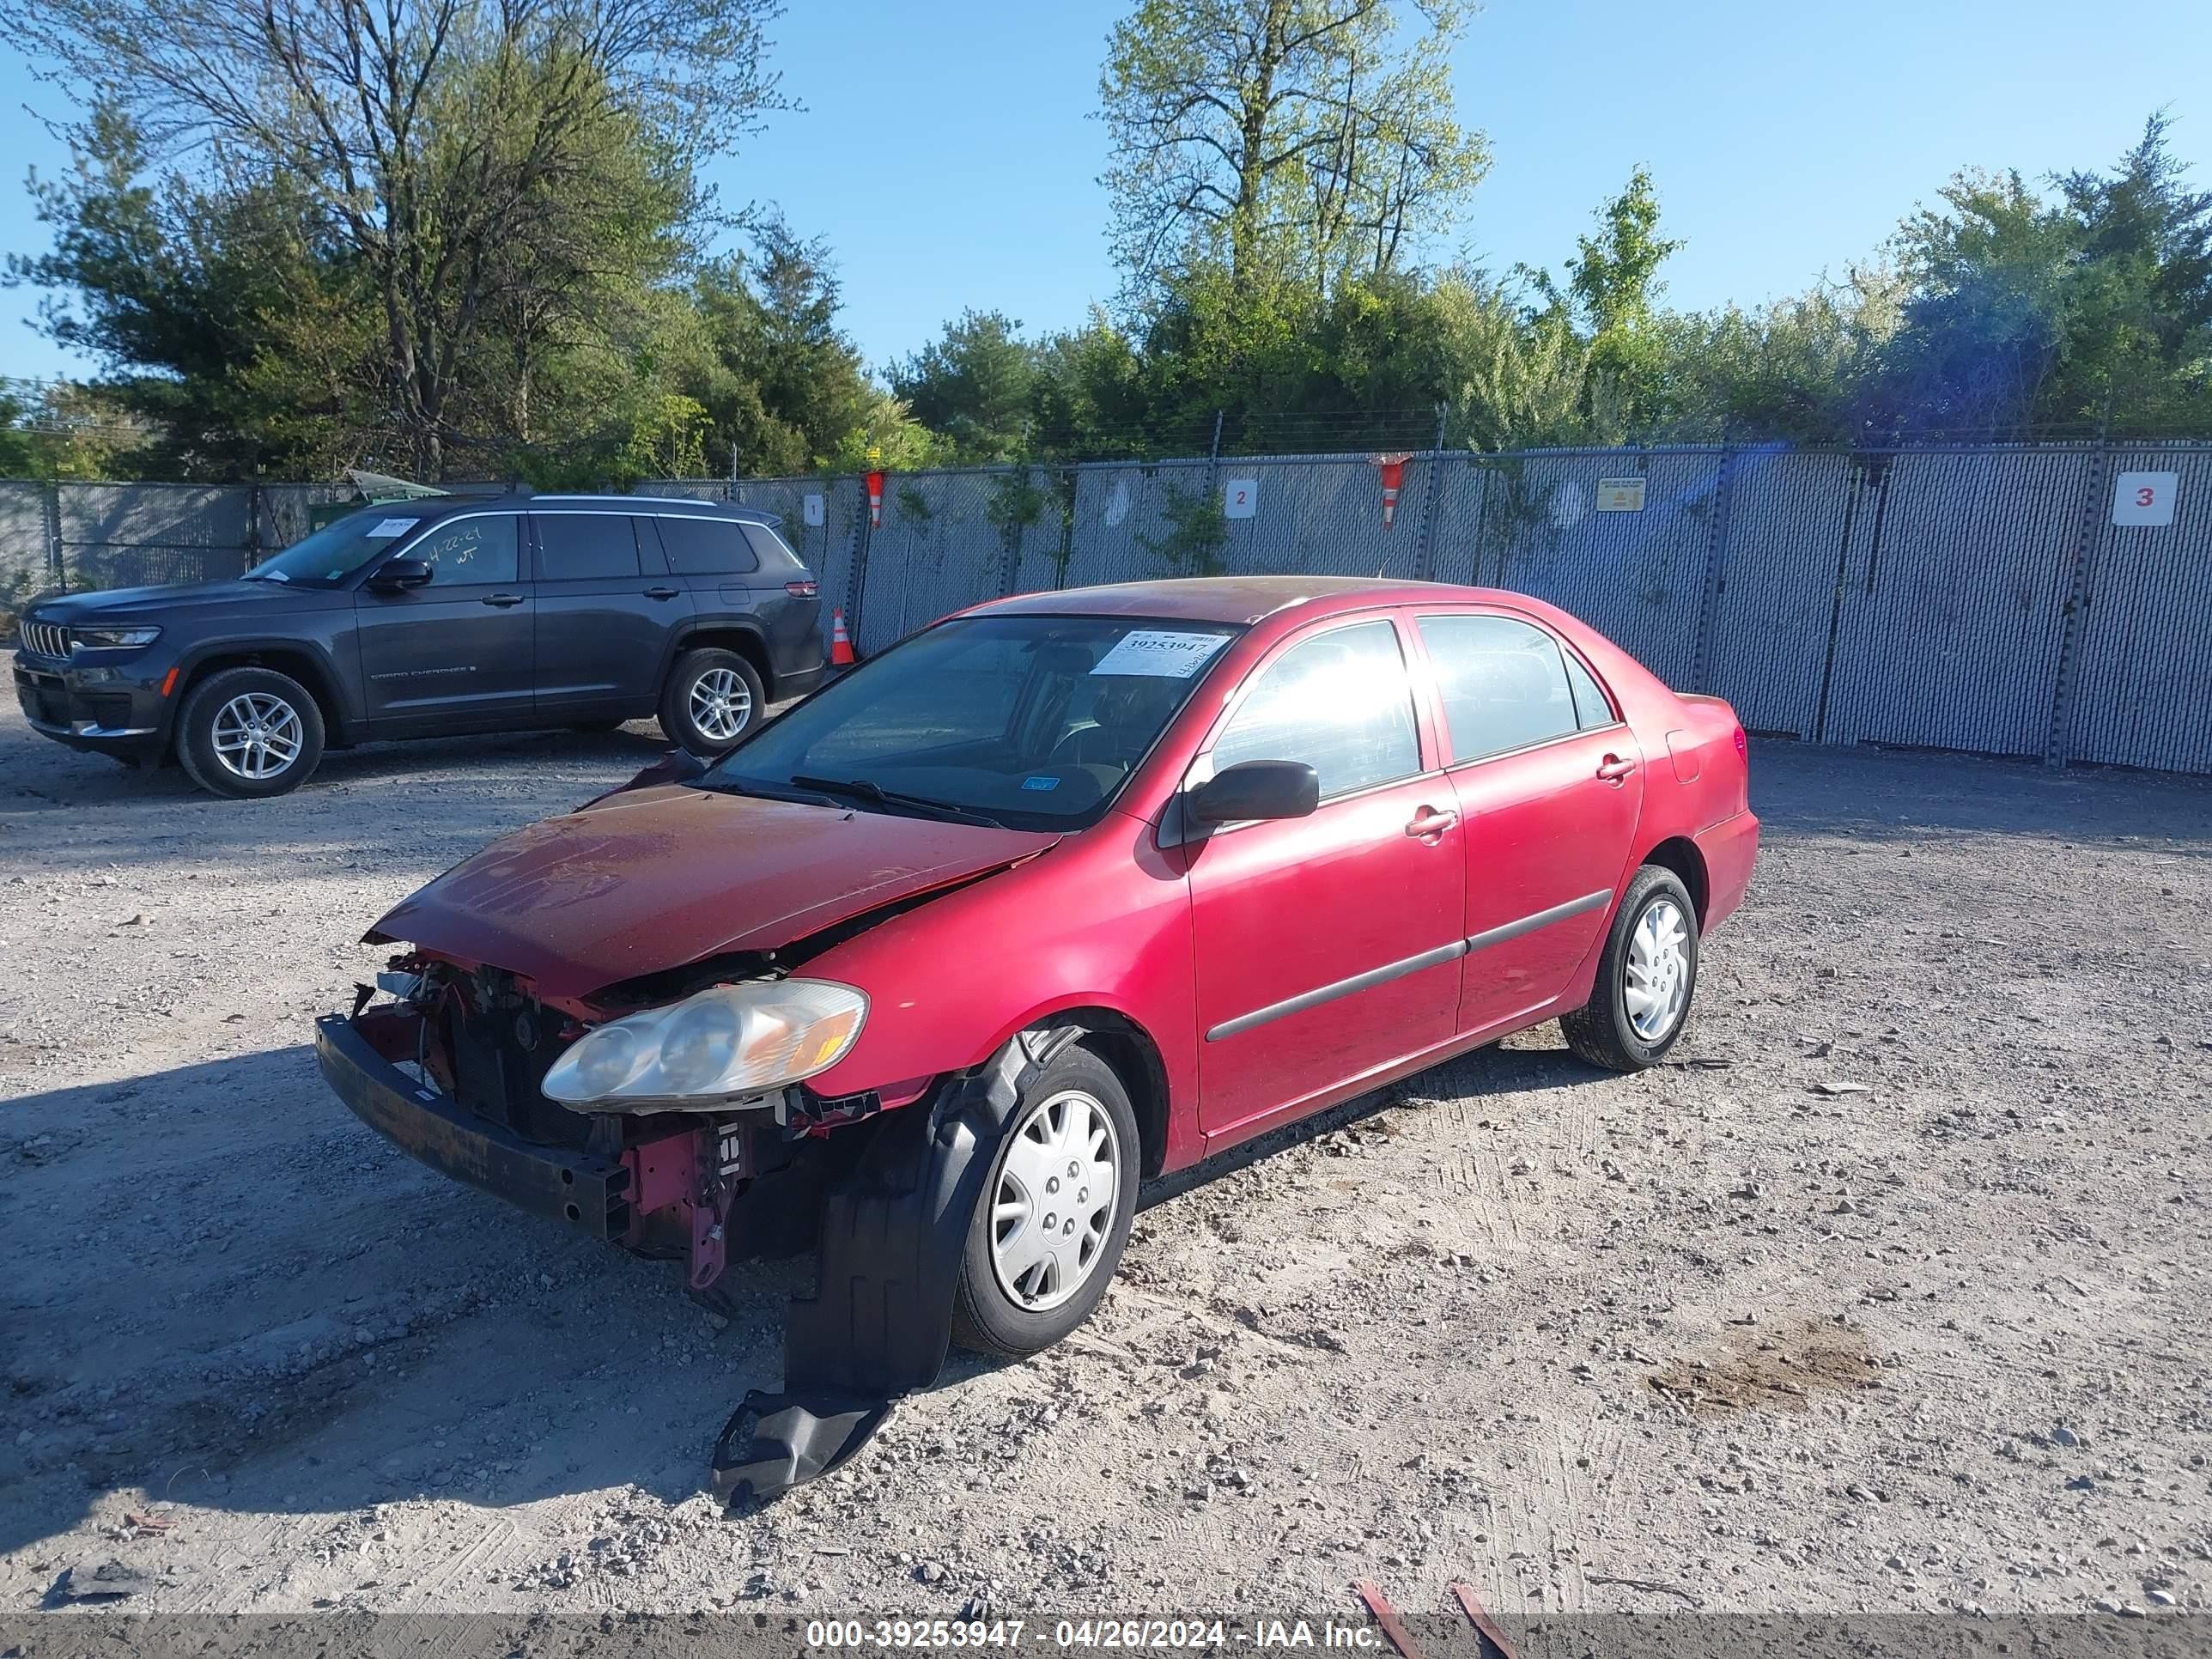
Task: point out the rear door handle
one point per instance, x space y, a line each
661 592
502 600
1428 824
1613 770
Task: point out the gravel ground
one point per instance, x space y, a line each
1887 1293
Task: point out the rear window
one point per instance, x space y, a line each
572 546
771 547
707 547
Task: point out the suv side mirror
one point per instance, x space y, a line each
395 573
1257 789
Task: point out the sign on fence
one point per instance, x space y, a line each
1621 494
2145 498
1240 498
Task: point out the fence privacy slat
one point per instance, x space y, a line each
1916 598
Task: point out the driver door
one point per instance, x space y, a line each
1327 947
457 653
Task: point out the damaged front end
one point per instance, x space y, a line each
636 1065
454 1069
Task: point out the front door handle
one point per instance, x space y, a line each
502 600
662 593
1613 770
1427 824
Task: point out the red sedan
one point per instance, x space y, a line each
1060 894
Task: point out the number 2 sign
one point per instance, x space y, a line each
1240 497
2144 498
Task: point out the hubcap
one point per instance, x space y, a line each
721 703
1658 971
1053 1204
256 736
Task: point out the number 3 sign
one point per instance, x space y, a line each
2144 498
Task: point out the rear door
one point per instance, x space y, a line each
1549 786
1325 946
606 604
728 582
454 655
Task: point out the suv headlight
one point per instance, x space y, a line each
115 636
732 1040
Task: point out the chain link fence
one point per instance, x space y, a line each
1979 600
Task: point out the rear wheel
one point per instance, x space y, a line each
1052 1218
713 698
248 733
1645 978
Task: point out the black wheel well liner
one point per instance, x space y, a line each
294 661
1129 1049
1681 854
748 642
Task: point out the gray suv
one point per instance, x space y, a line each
431 617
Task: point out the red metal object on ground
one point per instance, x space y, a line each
1386 1616
1485 1626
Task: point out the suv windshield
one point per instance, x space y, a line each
1032 722
332 554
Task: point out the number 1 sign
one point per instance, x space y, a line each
2144 498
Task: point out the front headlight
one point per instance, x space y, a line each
729 1041
114 637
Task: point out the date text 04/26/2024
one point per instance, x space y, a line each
1086 1633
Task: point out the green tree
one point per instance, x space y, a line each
783 386
973 386
1308 138
461 154
1614 284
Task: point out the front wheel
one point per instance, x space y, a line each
1644 979
713 698
1052 1219
249 733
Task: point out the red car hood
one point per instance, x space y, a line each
663 877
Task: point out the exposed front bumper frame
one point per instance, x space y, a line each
588 1192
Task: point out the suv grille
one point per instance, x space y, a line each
45 639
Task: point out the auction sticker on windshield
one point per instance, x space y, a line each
1162 654
386 528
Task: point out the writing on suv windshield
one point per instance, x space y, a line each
1032 722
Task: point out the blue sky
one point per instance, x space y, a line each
946 152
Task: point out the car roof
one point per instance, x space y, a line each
1241 599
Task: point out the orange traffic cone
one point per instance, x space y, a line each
840 642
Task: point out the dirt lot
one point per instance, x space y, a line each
1889 1293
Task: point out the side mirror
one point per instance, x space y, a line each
395 573
1257 789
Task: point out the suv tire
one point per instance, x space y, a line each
713 698
249 733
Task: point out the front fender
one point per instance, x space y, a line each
1090 924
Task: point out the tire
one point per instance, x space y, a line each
988 1316
680 710
215 744
1604 1032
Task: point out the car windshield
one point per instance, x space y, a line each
1031 722
333 553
